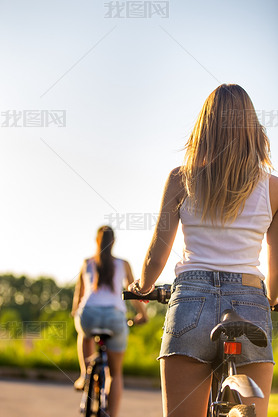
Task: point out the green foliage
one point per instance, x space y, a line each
143 348
36 329
273 406
41 353
10 323
275 354
32 297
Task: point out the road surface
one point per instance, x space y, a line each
45 399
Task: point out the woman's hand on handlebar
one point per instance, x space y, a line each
140 318
136 288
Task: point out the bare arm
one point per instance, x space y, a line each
78 293
272 245
141 316
165 231
272 259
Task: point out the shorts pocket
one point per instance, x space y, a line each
183 315
116 322
258 314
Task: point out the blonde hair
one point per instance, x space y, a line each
226 154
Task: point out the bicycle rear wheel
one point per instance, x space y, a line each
242 410
93 399
90 391
96 405
103 398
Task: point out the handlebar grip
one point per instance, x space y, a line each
161 294
128 295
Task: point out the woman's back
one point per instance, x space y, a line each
230 208
103 295
233 247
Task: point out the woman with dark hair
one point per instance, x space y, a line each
97 303
226 200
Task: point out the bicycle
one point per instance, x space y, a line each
227 386
94 401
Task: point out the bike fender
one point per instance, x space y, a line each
244 385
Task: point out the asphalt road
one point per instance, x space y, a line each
45 399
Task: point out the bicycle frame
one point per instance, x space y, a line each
94 399
227 392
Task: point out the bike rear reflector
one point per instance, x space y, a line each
232 348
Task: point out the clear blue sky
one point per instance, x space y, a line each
131 89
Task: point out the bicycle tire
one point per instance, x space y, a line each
92 403
103 401
242 410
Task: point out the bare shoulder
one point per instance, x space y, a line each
126 264
120 260
175 184
175 174
274 181
273 193
88 261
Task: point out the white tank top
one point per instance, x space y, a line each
104 296
232 248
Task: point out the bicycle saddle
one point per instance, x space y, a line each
102 333
232 325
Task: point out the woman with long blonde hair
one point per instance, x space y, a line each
226 200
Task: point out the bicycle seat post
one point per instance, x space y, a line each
100 343
231 349
100 337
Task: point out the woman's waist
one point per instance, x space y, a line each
104 300
219 278
227 268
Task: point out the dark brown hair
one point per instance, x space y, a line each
104 260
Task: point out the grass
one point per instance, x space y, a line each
140 357
273 406
48 352
41 355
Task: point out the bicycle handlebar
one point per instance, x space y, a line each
161 294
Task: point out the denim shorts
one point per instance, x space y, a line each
104 318
196 304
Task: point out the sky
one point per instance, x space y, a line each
95 108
